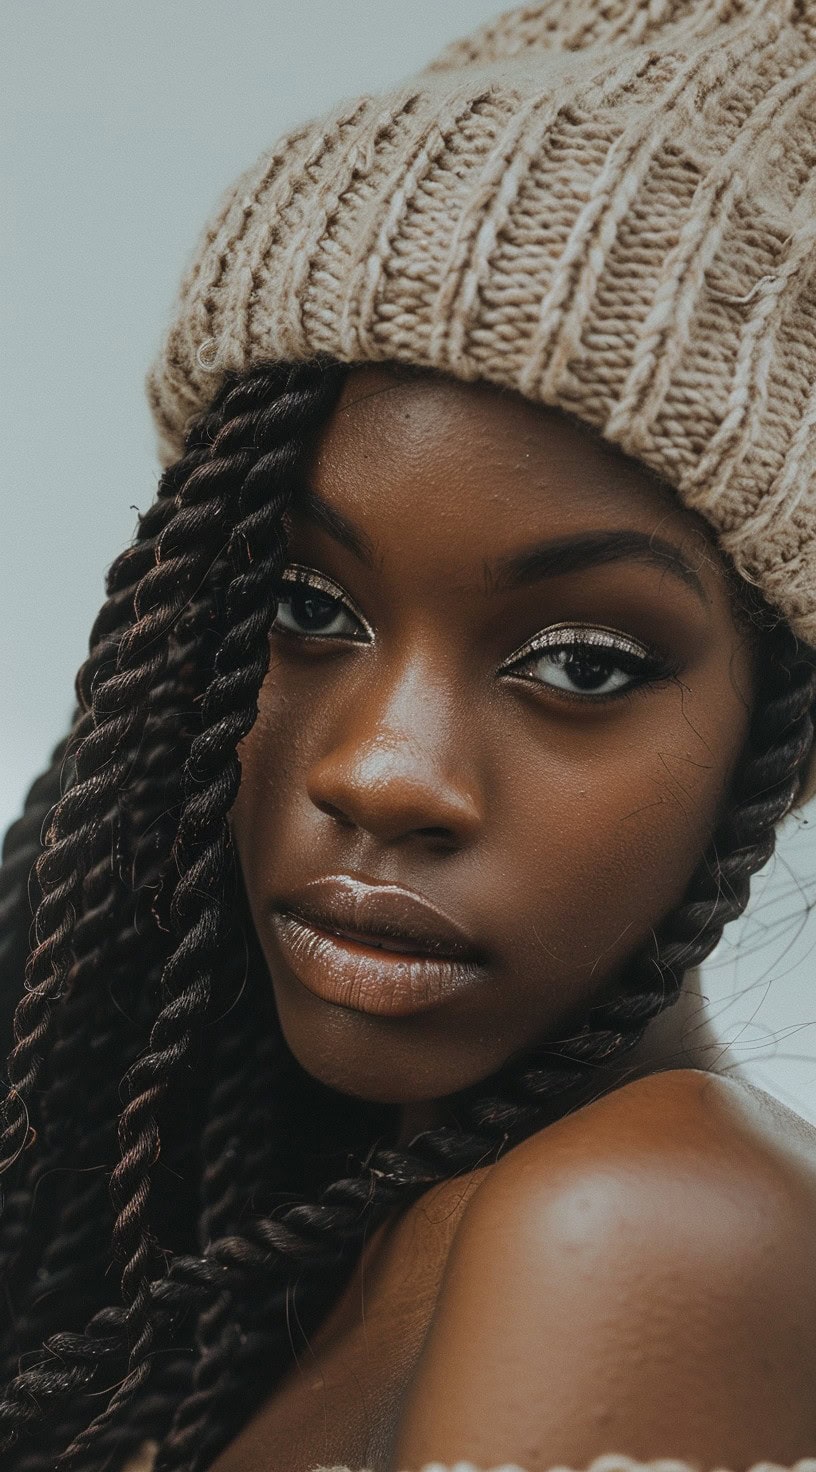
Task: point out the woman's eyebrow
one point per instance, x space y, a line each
591 549
544 560
310 505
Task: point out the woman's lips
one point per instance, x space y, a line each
378 948
348 904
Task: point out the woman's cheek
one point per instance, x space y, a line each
605 866
650 841
268 764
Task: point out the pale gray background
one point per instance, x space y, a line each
120 126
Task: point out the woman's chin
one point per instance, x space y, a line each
380 1065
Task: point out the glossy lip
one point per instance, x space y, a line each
377 948
388 914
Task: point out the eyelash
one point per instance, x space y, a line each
308 577
647 667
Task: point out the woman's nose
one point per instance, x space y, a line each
397 767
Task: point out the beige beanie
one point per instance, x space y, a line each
606 205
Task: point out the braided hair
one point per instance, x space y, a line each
154 1115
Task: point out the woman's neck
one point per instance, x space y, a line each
679 1037
423 1114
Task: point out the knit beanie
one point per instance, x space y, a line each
606 205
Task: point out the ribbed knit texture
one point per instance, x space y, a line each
607 207
611 1463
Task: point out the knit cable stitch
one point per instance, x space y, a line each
613 213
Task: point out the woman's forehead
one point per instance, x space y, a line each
403 440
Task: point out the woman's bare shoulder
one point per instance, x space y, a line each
678 1119
649 1256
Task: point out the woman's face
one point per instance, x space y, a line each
512 685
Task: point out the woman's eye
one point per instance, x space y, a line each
586 662
311 604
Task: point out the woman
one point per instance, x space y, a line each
431 731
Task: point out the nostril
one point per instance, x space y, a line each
387 794
439 840
332 811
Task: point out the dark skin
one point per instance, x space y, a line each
638 1276
516 806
